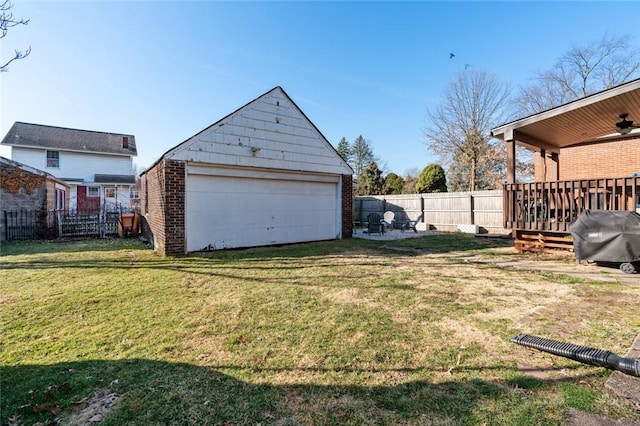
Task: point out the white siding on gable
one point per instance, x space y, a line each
270 132
75 164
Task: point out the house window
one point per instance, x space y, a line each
93 191
110 192
53 158
135 195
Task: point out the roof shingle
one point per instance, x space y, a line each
61 138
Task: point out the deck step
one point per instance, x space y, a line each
542 243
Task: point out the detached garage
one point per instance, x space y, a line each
263 175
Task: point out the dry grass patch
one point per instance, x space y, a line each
340 332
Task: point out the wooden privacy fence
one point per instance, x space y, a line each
477 212
38 225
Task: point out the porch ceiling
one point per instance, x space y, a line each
585 120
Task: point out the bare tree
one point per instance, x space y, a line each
580 72
410 180
458 130
8 21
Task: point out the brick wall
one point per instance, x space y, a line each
347 206
603 160
22 201
162 198
175 193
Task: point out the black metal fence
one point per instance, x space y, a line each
38 225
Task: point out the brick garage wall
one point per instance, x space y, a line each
604 160
347 206
162 198
175 207
152 210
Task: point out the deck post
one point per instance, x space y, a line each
511 161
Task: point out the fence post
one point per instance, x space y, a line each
58 224
472 218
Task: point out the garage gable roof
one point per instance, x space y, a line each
269 132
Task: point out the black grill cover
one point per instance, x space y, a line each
607 236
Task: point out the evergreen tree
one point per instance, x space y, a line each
432 179
370 181
393 184
361 155
344 149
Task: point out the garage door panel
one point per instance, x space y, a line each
228 212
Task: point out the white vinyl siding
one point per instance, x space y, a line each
75 165
270 133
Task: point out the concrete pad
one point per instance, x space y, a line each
624 385
580 418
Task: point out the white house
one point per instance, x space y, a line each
262 175
97 166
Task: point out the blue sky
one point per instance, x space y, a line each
163 71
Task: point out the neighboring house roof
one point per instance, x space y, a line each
586 120
61 138
5 162
256 120
128 179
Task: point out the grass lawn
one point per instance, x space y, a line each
340 332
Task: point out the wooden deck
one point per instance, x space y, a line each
539 213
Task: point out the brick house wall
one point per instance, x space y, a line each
598 160
347 206
162 201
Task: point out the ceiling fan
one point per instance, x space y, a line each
625 126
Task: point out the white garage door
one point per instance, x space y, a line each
229 212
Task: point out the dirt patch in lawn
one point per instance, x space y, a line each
560 263
92 410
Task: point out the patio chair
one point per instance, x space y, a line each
389 219
375 224
412 223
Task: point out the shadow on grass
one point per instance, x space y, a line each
445 242
13 248
452 242
157 392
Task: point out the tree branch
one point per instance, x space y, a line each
7 21
18 55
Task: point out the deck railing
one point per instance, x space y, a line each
552 206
